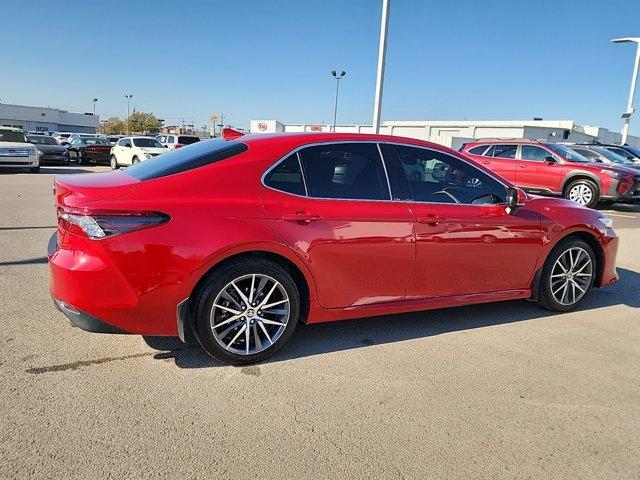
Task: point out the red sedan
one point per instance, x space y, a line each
237 241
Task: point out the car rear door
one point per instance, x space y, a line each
499 159
535 172
466 243
331 205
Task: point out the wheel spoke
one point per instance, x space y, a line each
576 284
240 292
227 321
266 307
268 296
224 294
256 337
247 338
226 331
227 309
559 288
264 330
277 311
253 282
272 322
261 284
244 327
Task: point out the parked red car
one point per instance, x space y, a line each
237 241
549 168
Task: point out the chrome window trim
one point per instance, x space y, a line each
336 142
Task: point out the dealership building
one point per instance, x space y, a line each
453 133
45 119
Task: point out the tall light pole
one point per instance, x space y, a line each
128 97
94 105
382 53
338 77
634 79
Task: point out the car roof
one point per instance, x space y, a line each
12 129
489 141
297 139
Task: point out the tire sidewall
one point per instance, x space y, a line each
592 186
208 294
545 279
113 162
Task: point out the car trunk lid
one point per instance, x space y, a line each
79 189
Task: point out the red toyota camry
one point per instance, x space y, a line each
237 241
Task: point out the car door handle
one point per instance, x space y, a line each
486 162
521 165
431 219
302 218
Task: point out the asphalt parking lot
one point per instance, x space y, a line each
503 390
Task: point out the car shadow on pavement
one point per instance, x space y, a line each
318 339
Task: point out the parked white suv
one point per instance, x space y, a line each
176 141
16 151
131 150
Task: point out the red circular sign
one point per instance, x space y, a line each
262 126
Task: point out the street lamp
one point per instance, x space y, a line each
94 105
128 97
634 77
338 77
382 53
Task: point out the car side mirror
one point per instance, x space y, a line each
516 198
549 159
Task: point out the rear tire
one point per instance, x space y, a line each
564 286
135 161
113 161
583 192
229 343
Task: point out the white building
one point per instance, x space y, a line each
453 133
43 119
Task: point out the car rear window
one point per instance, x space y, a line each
188 140
187 158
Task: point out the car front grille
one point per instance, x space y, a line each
14 152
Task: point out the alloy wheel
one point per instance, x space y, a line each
581 194
571 276
250 314
474 183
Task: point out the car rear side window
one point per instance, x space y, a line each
187 140
505 151
345 171
193 156
478 150
286 176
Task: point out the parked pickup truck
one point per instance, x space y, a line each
15 151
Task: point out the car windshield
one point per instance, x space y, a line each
614 157
12 136
147 143
42 140
95 141
567 153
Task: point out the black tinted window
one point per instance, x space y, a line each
286 176
534 154
441 178
193 156
478 150
505 151
188 140
345 170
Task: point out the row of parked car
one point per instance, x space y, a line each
18 149
587 173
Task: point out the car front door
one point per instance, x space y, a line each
331 205
538 170
466 243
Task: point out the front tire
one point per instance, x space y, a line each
113 161
567 276
583 192
247 311
135 161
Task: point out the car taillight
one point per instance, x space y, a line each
106 223
178 145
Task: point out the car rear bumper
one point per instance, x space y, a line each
91 292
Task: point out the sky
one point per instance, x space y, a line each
259 59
